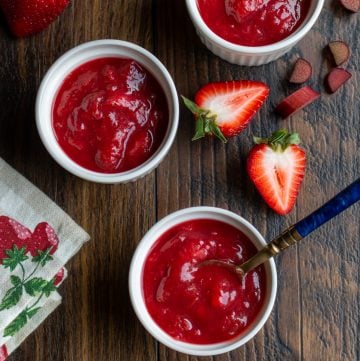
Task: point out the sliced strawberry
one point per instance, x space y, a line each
276 166
43 238
224 109
11 233
336 78
27 17
296 101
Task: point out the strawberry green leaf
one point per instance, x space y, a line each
199 129
207 126
293 138
50 287
194 108
15 280
279 140
33 312
15 257
11 298
258 140
42 257
215 130
35 286
205 122
18 323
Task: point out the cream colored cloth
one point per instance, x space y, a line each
37 238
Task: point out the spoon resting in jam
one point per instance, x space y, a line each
295 233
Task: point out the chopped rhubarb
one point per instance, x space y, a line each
301 72
336 78
352 5
340 52
296 101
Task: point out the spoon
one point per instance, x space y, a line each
298 231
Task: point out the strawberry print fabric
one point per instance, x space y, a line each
37 238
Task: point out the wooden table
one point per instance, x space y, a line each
316 316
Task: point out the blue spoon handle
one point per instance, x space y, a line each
298 231
330 209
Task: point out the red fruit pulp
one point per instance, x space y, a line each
253 22
110 115
205 304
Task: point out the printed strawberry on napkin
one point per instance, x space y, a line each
37 238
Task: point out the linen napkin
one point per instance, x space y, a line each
37 238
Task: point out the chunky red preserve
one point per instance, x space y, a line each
207 303
253 22
110 115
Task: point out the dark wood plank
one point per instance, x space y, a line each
317 310
95 320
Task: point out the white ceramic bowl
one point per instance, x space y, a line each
73 59
136 275
250 55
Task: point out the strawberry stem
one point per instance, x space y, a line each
205 121
279 140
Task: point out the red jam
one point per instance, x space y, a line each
202 304
253 22
110 115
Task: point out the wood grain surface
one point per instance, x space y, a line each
316 315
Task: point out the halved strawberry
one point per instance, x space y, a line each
27 17
276 166
224 109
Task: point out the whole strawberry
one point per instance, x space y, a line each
224 109
27 17
276 166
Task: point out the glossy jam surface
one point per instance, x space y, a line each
253 22
110 115
202 304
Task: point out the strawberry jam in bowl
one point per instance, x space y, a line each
252 32
107 111
253 22
194 307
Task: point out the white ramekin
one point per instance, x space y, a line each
250 55
136 275
73 59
